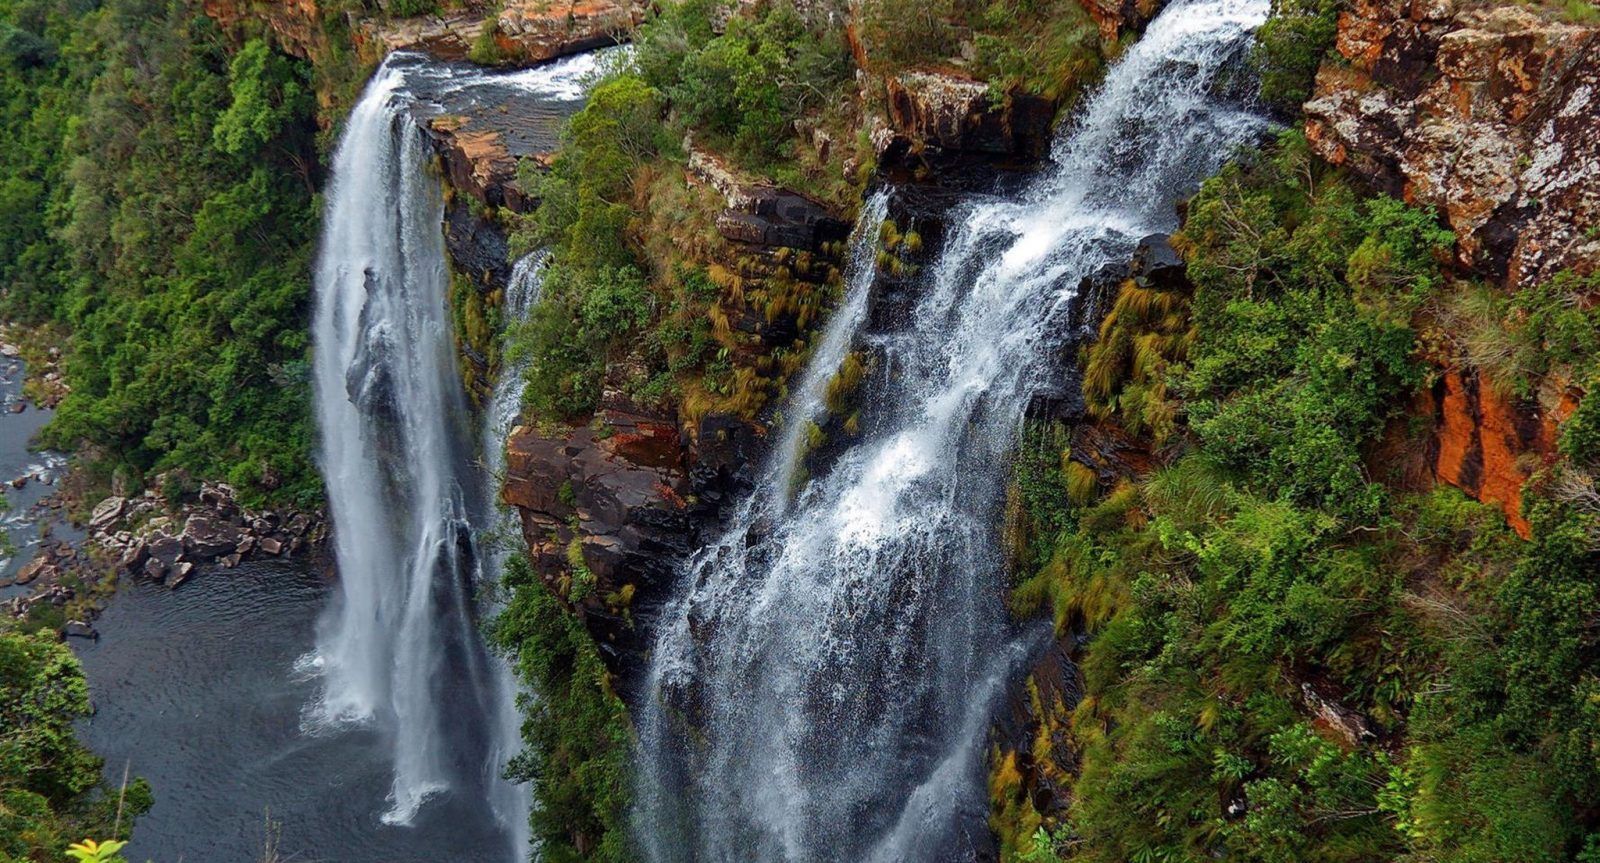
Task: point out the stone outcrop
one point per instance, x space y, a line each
295 25
478 162
1490 114
604 514
952 112
781 246
1115 17
524 31
1330 715
1032 746
761 214
1488 444
146 540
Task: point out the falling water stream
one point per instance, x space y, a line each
821 688
398 649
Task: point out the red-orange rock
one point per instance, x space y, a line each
1490 114
1487 444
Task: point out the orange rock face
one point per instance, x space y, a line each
526 31
1490 114
1487 444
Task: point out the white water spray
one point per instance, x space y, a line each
820 689
398 651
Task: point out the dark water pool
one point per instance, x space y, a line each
196 691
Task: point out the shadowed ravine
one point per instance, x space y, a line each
821 688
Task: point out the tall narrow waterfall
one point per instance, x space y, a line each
390 408
821 688
399 651
499 415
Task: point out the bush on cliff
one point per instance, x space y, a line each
1290 47
1297 654
1049 48
577 732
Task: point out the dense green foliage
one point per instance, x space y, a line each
1280 561
51 793
594 293
577 731
743 89
1290 47
632 243
157 202
1049 48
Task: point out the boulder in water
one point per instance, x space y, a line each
33 570
206 537
179 574
106 513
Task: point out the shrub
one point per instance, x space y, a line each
577 732
1289 48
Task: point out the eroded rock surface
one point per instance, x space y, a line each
1490 114
958 113
524 31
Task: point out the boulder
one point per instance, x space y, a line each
206 537
165 548
80 629
179 574
1328 713
40 566
133 557
270 544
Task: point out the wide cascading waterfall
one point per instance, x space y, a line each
398 651
821 688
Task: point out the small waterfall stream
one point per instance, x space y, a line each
410 499
821 687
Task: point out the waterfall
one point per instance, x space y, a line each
821 687
809 400
505 402
389 406
499 415
398 650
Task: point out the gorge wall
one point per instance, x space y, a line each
1486 112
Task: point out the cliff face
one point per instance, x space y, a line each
521 31
1490 114
1488 444
620 501
295 25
